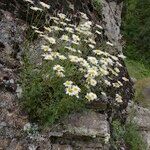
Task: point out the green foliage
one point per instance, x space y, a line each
141 73
97 4
118 132
43 98
136 27
137 69
140 97
133 138
126 133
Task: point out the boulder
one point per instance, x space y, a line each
86 130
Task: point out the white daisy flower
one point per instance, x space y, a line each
61 15
37 31
69 29
36 8
119 98
62 57
60 74
107 82
69 91
116 69
91 72
33 27
84 63
46 48
125 79
30 1
107 137
44 5
116 85
58 68
73 58
76 43
56 28
98 52
84 16
55 54
109 43
103 71
91 46
73 90
91 41
98 32
104 94
48 57
91 81
110 61
48 29
122 56
63 23
50 39
65 38
98 26
120 83
75 38
91 96
54 18
92 60
114 58
76 89
71 49
68 83
87 24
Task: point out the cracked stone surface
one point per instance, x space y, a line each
89 126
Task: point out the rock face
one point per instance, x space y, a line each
111 15
11 121
87 131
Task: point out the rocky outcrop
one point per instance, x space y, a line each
11 121
88 130
79 131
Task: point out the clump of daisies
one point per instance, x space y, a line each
75 64
69 45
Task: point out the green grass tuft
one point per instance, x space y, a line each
127 134
137 69
141 73
43 98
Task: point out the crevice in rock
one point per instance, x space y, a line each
2 46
